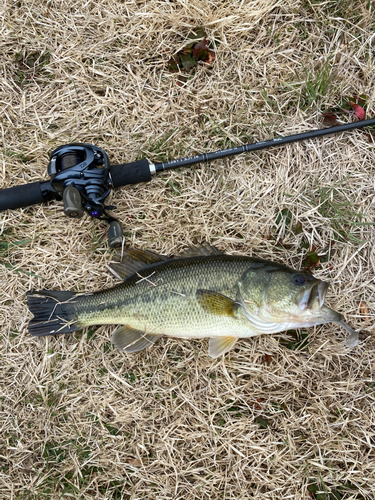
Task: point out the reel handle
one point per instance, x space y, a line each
115 234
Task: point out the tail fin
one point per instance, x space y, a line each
54 312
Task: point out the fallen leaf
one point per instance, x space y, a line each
173 64
200 50
358 110
135 462
311 260
187 58
364 311
198 33
361 99
297 229
262 422
188 62
210 57
256 402
267 358
329 119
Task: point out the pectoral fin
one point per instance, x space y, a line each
216 303
129 339
220 345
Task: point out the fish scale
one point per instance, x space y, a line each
162 298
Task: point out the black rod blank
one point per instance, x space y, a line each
223 153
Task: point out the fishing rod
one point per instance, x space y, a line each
82 176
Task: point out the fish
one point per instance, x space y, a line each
201 293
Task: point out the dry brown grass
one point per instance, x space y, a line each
81 420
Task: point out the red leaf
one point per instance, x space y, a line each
358 110
202 52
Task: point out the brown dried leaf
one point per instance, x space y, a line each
202 52
210 57
364 310
256 402
134 462
329 119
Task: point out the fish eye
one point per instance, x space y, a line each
298 279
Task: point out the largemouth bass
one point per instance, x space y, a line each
201 294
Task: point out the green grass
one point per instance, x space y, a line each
319 490
6 247
340 214
158 147
31 65
296 340
317 84
14 154
333 205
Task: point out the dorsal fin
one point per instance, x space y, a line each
132 261
199 250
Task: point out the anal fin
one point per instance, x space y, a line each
128 339
220 345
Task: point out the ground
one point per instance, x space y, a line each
282 416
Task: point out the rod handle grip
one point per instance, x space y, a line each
25 195
130 173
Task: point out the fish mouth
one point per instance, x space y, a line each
313 298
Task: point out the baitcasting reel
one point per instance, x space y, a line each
79 173
82 176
